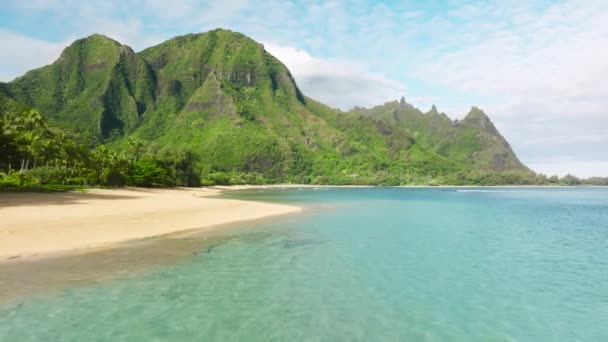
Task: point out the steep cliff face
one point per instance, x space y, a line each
475 139
182 65
97 87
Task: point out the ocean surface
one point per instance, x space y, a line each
360 264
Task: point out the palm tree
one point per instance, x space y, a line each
8 144
137 146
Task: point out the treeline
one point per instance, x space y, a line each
35 156
522 178
571 180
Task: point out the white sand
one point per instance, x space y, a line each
39 224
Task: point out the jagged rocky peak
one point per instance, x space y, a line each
403 103
478 118
476 112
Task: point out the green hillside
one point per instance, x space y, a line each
474 140
97 88
221 101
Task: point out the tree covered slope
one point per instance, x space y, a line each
474 140
223 98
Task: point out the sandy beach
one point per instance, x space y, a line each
39 224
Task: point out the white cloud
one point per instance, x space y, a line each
337 83
24 53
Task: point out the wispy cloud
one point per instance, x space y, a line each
339 83
25 53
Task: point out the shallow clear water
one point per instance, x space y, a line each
381 264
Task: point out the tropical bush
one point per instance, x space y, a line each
149 173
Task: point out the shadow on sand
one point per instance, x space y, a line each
16 199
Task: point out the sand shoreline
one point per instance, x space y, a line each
295 186
47 224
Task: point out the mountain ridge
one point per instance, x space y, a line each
222 96
473 136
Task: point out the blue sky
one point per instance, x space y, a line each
538 68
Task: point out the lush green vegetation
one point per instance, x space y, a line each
216 108
36 157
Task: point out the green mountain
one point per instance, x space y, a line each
223 98
474 140
97 88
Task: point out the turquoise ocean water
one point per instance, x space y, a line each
365 264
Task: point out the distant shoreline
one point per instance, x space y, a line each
49 224
295 186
